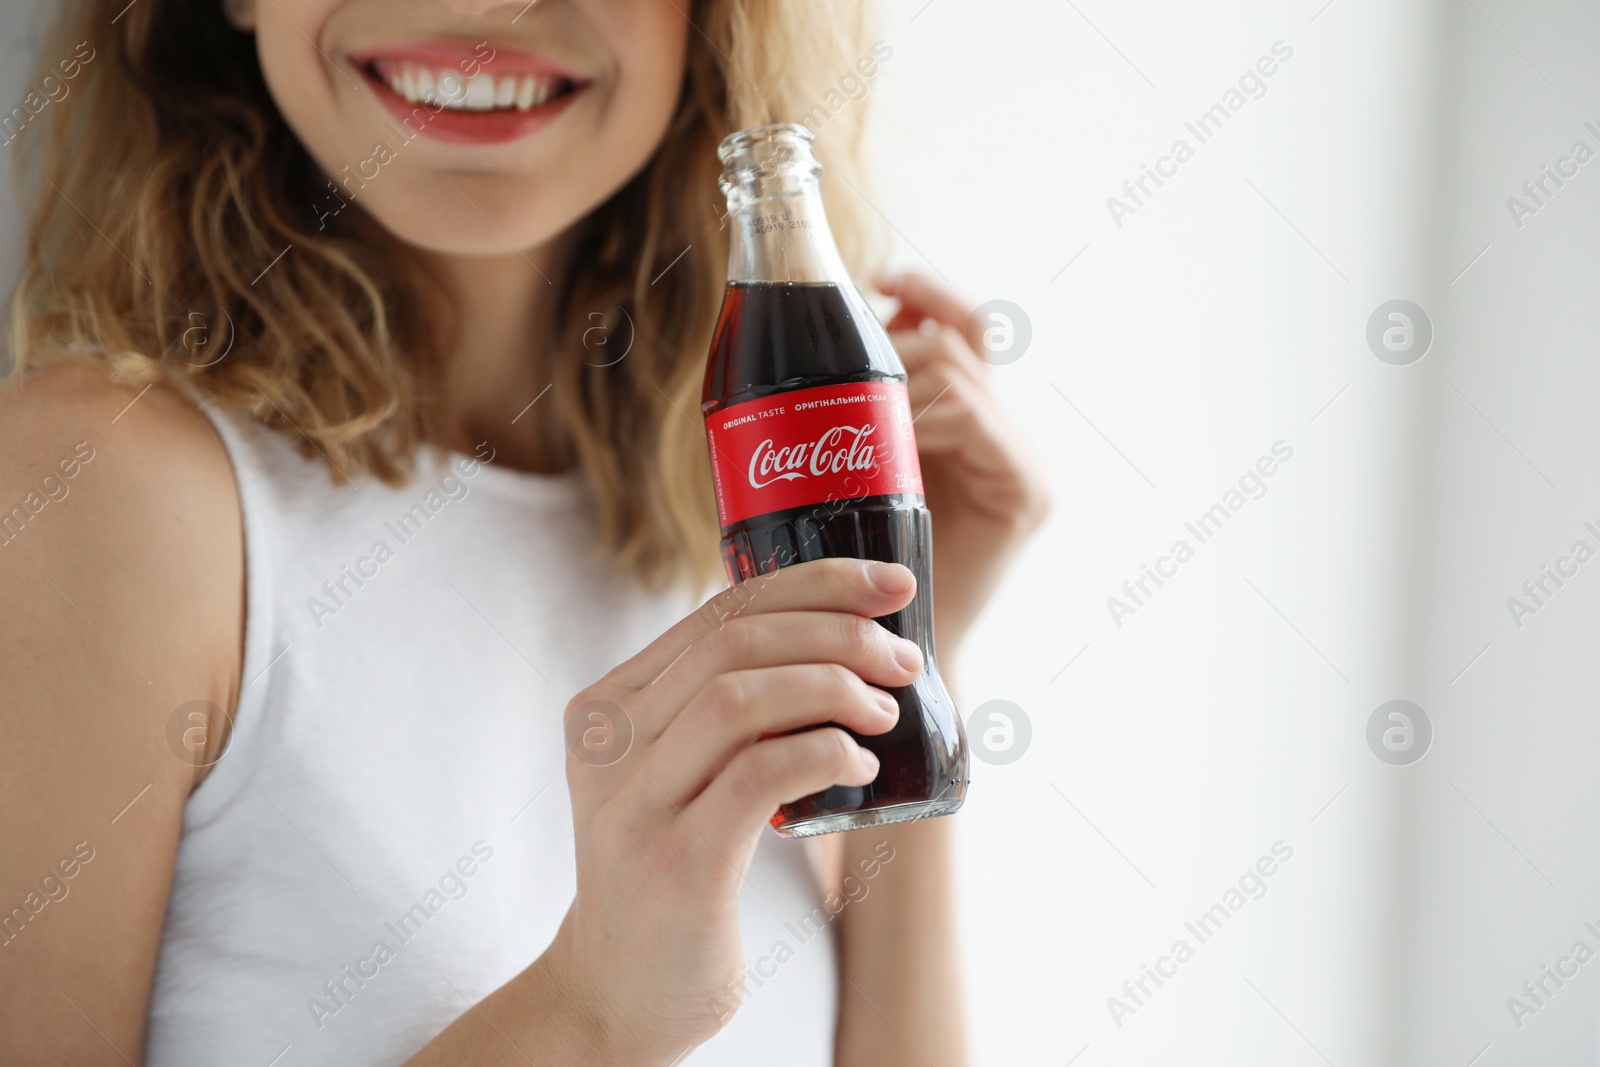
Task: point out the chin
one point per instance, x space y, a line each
477 217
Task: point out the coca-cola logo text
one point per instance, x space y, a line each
839 449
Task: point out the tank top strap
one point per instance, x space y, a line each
265 465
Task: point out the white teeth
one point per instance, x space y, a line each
481 92
450 88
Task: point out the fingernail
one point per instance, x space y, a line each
870 762
890 578
907 654
886 702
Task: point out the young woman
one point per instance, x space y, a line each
353 440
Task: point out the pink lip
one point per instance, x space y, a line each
467 57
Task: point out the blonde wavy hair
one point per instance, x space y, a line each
167 178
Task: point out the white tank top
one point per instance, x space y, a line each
388 837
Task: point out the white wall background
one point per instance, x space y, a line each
21 23
1229 713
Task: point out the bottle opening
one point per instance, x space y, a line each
779 231
780 150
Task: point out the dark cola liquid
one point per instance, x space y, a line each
775 338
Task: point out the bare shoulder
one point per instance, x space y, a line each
126 496
42 409
138 473
122 575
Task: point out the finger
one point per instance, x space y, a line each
981 455
866 588
741 800
753 642
933 380
907 319
947 427
739 708
921 297
944 347
941 392
944 395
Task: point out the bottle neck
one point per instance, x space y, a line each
779 232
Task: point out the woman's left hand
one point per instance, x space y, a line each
984 485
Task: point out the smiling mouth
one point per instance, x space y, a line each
444 87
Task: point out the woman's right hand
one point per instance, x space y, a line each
665 834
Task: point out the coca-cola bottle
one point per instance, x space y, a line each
813 455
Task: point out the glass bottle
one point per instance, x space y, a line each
814 455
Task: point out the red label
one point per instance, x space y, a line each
811 446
